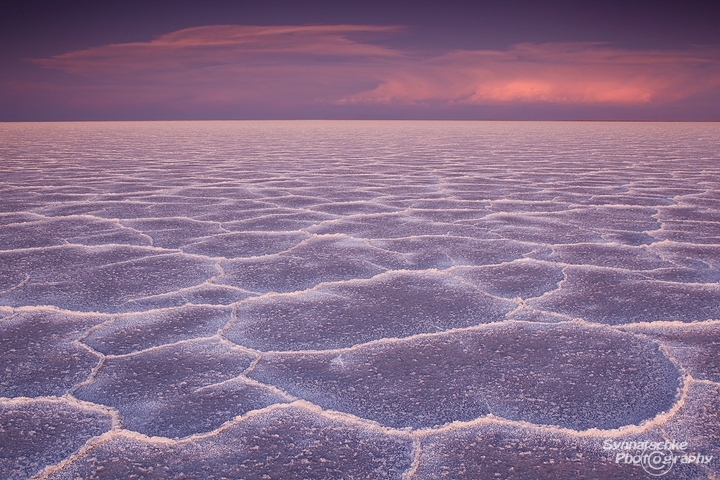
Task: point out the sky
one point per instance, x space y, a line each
653 60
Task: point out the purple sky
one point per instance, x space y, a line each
519 60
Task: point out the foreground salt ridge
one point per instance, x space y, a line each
378 235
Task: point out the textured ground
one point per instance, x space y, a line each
358 299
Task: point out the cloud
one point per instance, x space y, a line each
560 73
276 68
216 45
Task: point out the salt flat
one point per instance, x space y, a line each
312 299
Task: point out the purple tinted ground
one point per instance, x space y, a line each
357 299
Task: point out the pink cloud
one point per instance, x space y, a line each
290 66
222 45
576 73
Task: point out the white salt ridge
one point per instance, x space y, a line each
517 279
277 442
99 279
163 391
507 450
124 336
342 314
627 297
430 381
321 258
205 280
40 354
43 431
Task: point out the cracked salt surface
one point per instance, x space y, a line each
356 299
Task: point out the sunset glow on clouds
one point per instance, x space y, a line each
348 66
217 45
580 73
